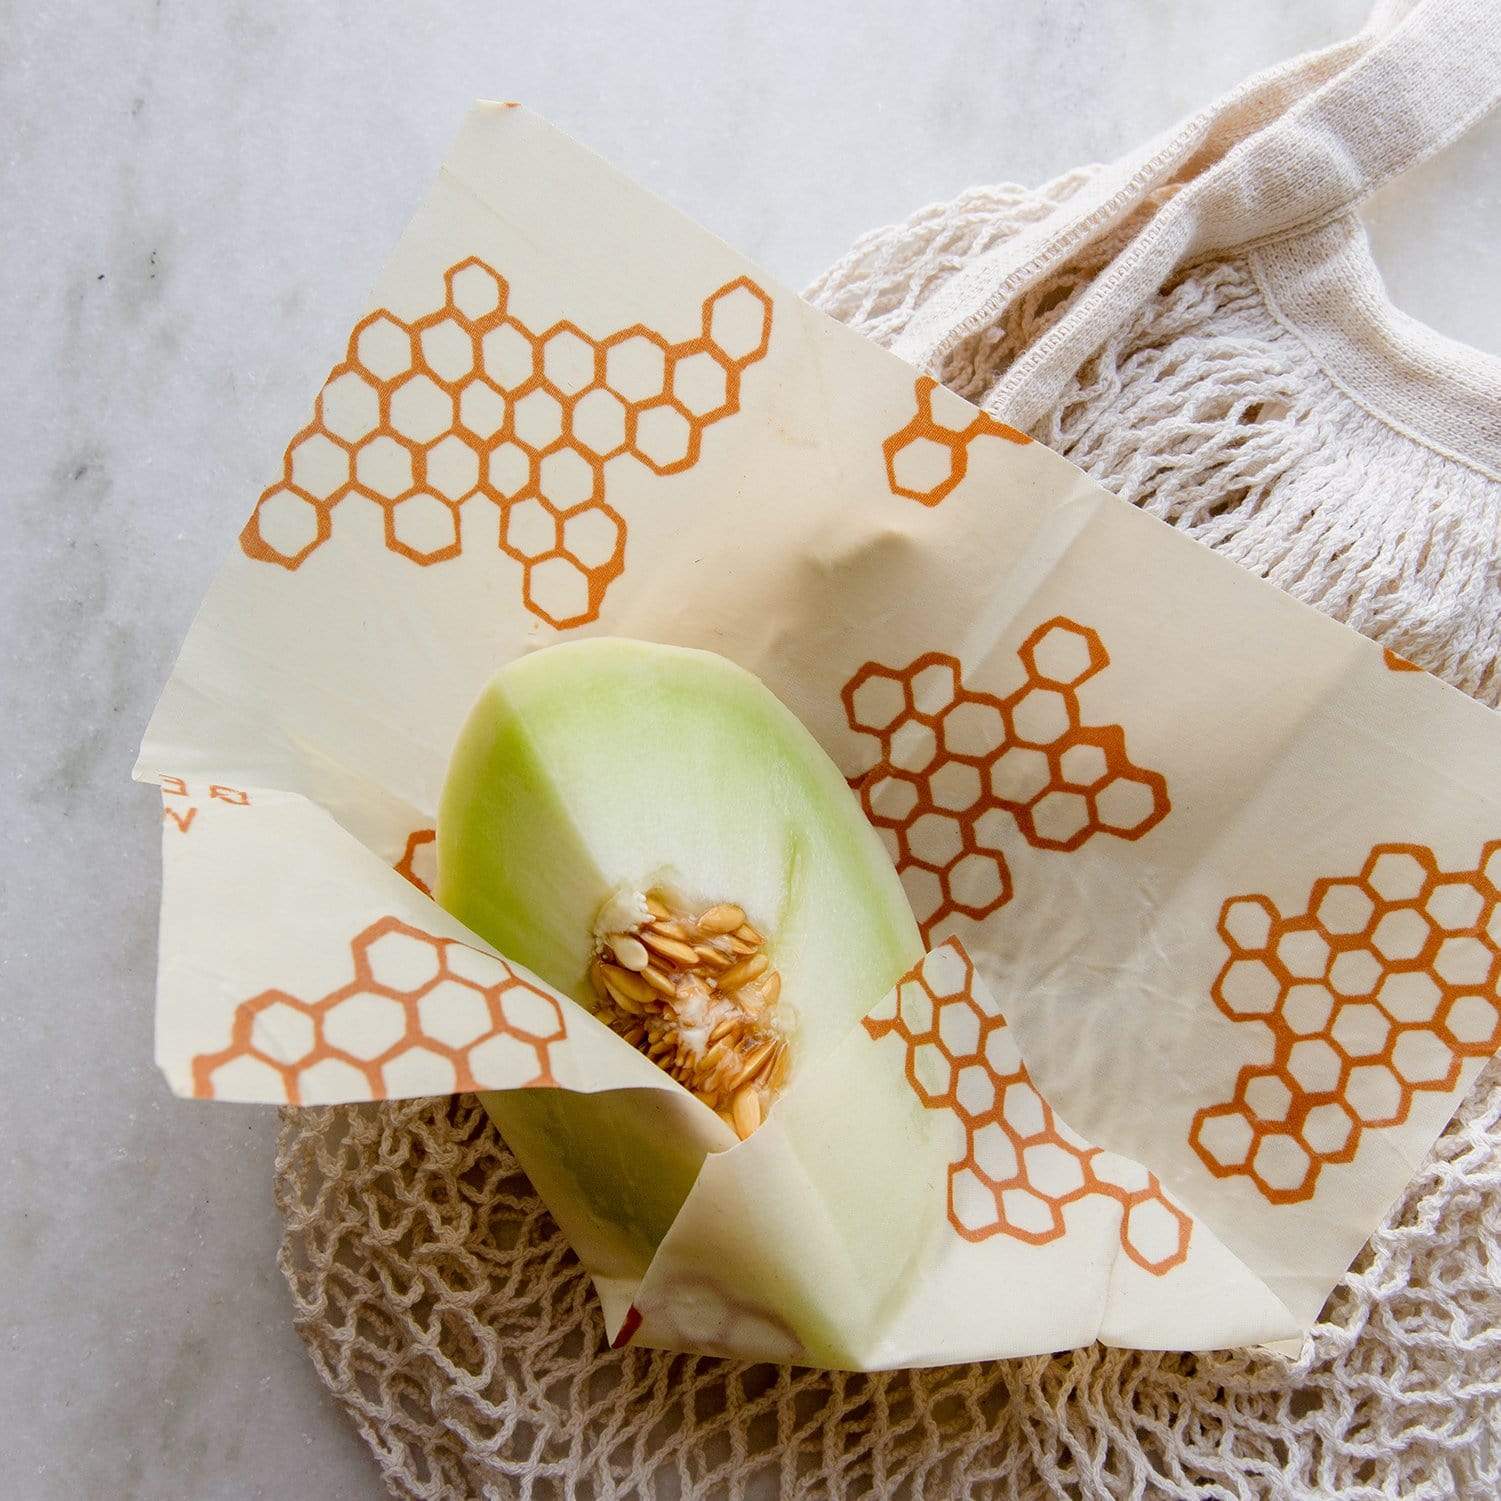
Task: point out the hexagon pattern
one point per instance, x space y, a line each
954 762
418 861
1021 1166
1379 989
418 1008
428 416
926 460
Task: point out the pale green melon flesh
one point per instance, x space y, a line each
609 764
609 1166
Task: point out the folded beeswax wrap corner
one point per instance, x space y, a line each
1211 886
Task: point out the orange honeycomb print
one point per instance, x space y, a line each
418 861
1022 1167
438 418
956 765
926 460
1379 989
421 1015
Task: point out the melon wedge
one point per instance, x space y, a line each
592 772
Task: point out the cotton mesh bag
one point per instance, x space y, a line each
1201 329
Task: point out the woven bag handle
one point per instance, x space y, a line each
1289 150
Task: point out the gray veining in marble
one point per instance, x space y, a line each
193 199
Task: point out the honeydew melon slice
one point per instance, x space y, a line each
592 772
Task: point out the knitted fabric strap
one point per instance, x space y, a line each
1294 147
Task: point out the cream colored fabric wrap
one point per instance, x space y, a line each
1201 329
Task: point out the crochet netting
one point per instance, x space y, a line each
443 1309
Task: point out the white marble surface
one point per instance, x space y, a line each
193 199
